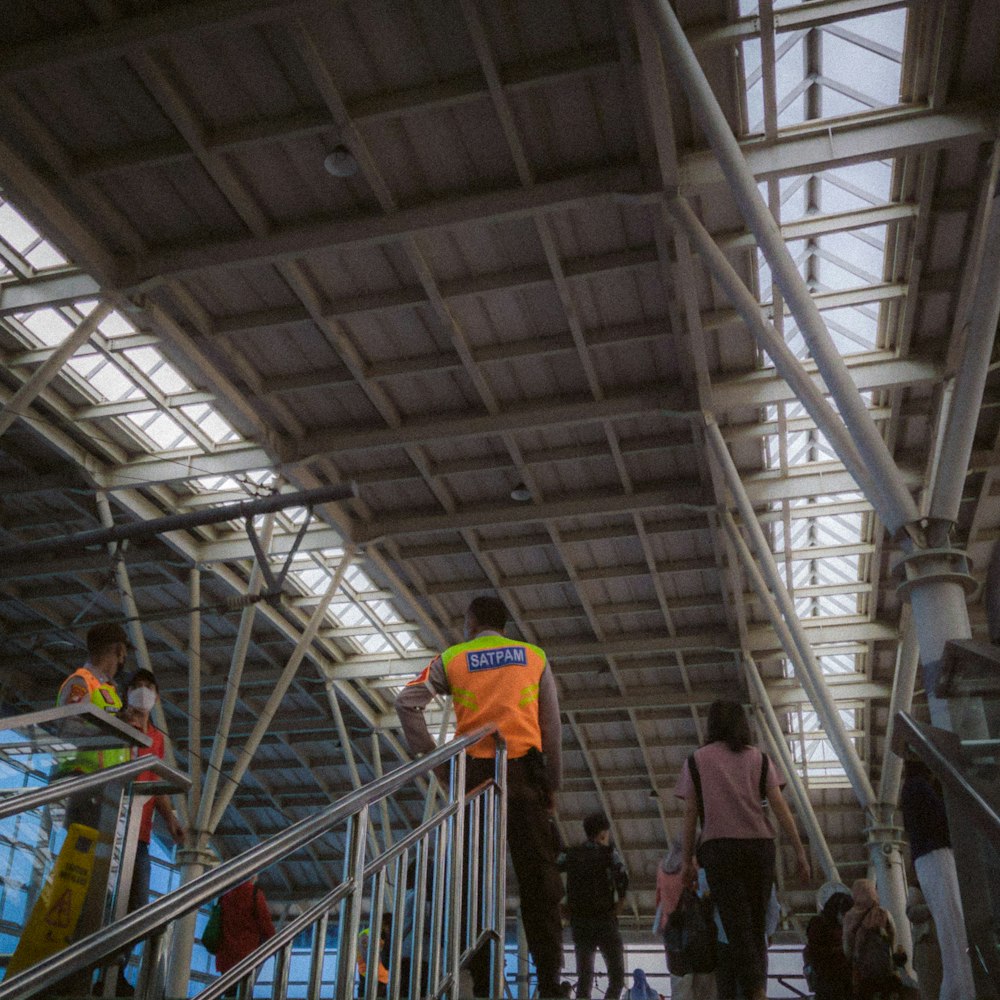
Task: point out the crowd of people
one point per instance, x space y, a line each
716 905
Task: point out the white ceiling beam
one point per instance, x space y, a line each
148 471
677 494
765 388
523 417
812 15
807 149
52 290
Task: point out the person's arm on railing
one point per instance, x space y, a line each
410 705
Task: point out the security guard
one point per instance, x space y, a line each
493 679
107 649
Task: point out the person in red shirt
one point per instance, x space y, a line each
141 695
246 924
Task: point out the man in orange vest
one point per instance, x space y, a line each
107 650
493 679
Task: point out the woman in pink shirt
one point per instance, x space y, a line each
737 840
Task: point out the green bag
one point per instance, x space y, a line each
211 936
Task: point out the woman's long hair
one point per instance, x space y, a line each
727 723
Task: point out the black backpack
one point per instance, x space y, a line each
690 936
590 890
872 958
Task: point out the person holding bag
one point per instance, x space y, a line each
722 785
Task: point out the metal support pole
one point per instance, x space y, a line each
240 648
970 382
499 871
193 861
904 681
776 740
894 503
350 912
36 383
785 620
246 752
456 848
345 742
194 690
384 804
318 957
137 637
785 363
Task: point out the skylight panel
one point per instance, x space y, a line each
162 431
157 369
115 325
48 325
19 234
105 380
211 423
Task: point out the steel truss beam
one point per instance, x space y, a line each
806 150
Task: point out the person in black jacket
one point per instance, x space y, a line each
596 882
830 978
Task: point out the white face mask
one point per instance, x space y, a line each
142 698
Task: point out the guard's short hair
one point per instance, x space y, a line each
594 824
489 612
103 636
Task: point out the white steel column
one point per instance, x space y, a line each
779 748
193 859
781 610
246 752
893 501
51 366
240 648
137 636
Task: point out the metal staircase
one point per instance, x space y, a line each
454 860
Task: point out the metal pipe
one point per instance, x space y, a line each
36 383
350 917
970 381
785 363
499 871
455 863
245 754
194 689
240 647
175 522
20 801
895 505
318 958
904 681
774 736
776 599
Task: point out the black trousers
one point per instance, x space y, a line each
740 874
591 934
533 854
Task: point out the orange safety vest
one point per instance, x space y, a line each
383 972
104 695
495 680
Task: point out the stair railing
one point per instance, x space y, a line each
467 911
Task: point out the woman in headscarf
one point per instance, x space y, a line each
640 988
867 919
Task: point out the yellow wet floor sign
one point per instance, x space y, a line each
53 919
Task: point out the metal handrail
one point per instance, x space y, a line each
22 800
938 758
149 919
103 720
306 919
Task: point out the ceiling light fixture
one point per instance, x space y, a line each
520 493
341 162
